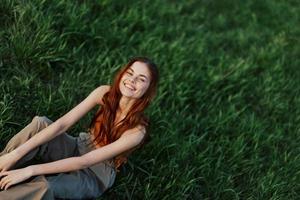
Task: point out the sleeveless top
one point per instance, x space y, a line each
120 159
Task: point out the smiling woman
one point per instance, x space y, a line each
91 161
135 81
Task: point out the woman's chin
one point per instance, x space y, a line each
128 94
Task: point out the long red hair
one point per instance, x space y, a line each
102 125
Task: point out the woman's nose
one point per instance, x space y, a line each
132 80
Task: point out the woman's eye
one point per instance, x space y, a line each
129 73
142 80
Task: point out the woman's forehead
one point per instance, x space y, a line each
140 68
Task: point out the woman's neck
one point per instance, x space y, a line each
125 104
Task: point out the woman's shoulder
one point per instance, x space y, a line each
100 91
138 129
104 88
141 128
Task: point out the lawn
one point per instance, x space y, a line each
226 119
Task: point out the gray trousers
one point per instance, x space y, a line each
86 183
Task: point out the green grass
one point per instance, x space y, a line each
226 121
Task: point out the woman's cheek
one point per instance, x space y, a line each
143 89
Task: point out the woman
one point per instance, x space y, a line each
90 161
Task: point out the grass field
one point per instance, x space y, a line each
226 121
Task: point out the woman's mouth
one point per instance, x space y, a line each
132 88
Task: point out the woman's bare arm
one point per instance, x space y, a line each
128 140
62 124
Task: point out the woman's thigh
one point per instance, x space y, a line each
80 184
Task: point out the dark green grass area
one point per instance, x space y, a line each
226 121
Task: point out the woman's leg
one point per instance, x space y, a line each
79 184
35 188
60 147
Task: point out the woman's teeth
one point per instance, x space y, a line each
129 87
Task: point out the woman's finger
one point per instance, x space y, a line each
1 182
3 169
3 173
4 181
8 185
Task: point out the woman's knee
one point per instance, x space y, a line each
43 119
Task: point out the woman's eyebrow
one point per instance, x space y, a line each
139 74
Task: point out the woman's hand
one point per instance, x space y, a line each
12 177
8 160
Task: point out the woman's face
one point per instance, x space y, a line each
135 81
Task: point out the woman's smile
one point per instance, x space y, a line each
129 86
